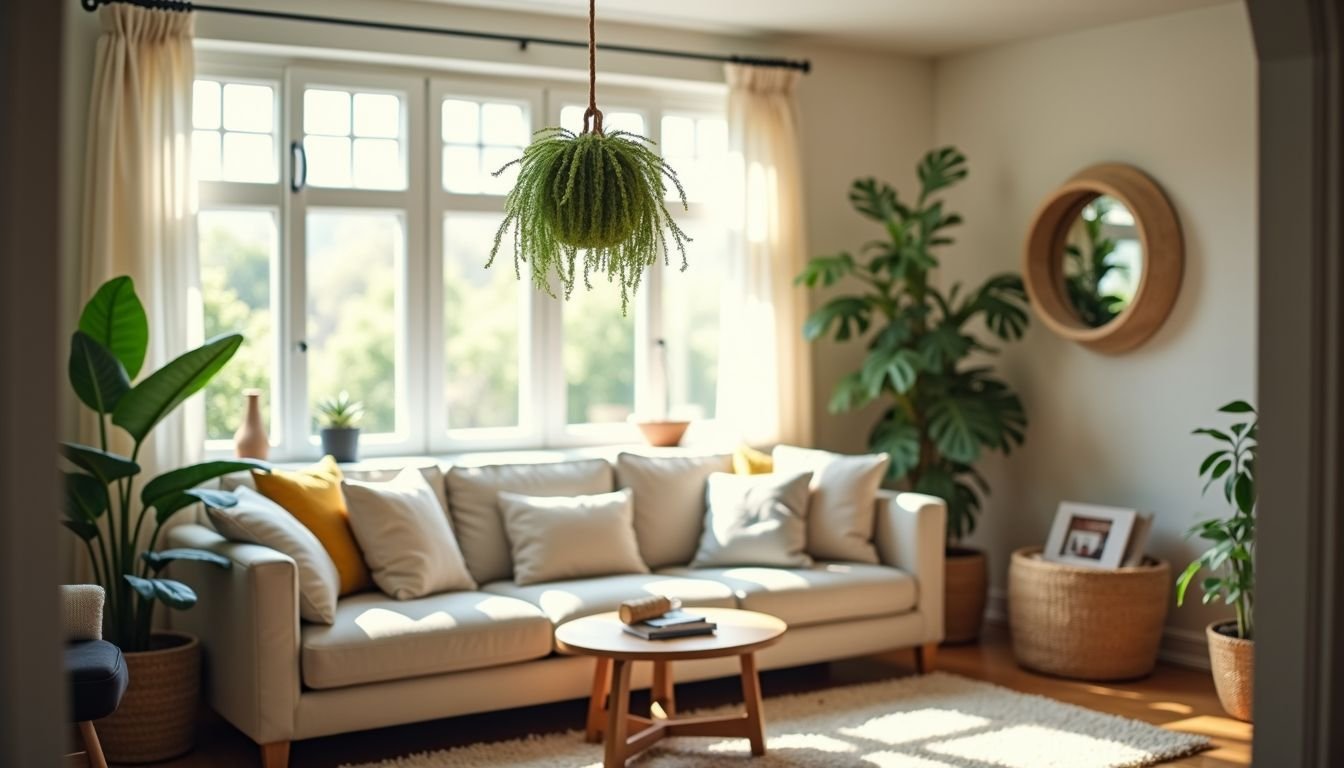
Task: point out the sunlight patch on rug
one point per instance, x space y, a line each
934 721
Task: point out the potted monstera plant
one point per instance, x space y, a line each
943 406
119 518
1230 559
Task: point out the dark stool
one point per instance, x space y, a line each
98 678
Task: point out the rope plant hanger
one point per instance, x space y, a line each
597 192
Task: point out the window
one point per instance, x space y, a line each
354 261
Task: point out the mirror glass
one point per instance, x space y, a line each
1103 260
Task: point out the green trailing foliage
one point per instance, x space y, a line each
101 504
941 412
1230 558
602 194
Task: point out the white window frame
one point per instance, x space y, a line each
421 412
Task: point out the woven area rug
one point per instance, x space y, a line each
933 721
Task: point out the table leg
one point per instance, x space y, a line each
597 702
618 710
751 695
664 695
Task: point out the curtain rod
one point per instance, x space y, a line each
522 41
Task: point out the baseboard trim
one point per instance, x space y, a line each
1182 647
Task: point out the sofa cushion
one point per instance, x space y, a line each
669 502
570 537
840 512
755 520
823 593
377 638
432 473
473 500
574 599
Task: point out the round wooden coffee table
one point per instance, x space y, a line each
740 633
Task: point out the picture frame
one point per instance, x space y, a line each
1089 535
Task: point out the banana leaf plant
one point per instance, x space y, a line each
105 506
944 408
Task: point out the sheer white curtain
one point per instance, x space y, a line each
765 389
139 200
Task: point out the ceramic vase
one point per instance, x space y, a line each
250 441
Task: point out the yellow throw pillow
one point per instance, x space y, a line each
749 461
314 497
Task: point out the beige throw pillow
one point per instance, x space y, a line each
840 514
404 533
473 502
570 537
256 519
669 502
755 520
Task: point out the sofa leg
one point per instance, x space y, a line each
925 655
92 747
275 755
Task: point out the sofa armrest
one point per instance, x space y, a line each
912 535
247 619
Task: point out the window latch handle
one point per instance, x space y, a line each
302 345
298 178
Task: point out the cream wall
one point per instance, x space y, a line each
1176 96
861 112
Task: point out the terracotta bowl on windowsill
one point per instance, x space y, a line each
663 434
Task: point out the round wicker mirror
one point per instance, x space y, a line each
1104 258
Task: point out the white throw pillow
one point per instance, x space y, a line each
570 537
256 519
669 502
404 533
840 515
755 520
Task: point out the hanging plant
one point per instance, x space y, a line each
597 192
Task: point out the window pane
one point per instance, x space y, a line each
328 161
599 355
691 325
462 169
378 115
632 122
503 124
205 104
205 155
237 250
571 118
354 260
249 107
492 160
378 164
326 112
480 325
461 122
249 157
678 137
712 137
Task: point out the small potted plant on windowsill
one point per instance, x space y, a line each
340 417
1230 559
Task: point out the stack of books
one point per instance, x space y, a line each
675 623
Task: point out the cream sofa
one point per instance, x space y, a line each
386 662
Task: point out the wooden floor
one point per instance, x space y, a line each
1173 697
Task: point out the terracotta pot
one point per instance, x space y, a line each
157 716
663 434
250 441
1233 661
965 589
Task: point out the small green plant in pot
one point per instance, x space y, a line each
1230 559
339 417
943 407
118 519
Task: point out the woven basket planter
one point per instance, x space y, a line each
1233 662
157 716
1086 623
965 588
